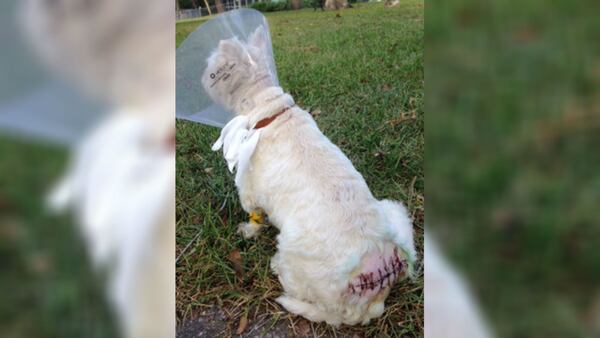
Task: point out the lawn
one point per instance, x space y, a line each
360 72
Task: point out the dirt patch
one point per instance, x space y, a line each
215 323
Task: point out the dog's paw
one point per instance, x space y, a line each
249 229
258 216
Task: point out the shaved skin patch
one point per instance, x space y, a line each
378 272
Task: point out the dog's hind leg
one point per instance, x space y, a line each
307 310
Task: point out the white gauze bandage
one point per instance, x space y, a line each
239 138
238 142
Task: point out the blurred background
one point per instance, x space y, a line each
512 160
86 116
48 287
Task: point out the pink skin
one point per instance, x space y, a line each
379 272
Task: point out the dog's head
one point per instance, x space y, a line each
237 71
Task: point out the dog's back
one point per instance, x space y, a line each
338 246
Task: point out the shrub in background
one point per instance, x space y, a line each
270 6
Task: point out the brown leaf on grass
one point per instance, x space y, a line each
386 88
404 116
576 120
223 218
303 328
10 230
236 261
594 313
312 48
526 34
503 218
467 16
4 204
242 325
40 263
315 112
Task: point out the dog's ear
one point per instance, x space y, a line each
232 49
258 38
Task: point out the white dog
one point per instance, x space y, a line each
339 249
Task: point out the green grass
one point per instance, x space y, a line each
512 160
362 76
186 27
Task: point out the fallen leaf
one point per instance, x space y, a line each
236 260
223 218
526 34
4 205
312 48
504 219
303 328
40 263
242 325
386 88
10 230
594 313
404 116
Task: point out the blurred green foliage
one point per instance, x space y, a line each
512 160
270 6
48 287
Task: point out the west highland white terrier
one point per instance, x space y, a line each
340 250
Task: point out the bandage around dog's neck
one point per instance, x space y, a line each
239 137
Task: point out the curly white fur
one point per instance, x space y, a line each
332 229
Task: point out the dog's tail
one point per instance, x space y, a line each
399 229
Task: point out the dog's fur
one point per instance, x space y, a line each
330 224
